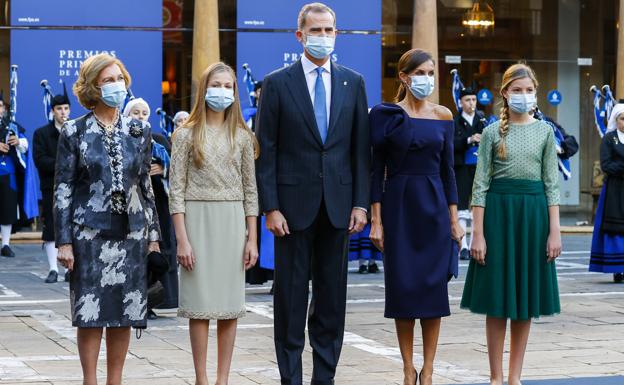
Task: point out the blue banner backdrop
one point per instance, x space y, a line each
57 55
87 13
282 14
268 51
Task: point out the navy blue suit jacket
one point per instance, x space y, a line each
296 171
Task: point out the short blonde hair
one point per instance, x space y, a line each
85 88
315 8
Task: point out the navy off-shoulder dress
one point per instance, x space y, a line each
413 178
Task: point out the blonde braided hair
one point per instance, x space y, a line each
513 73
503 128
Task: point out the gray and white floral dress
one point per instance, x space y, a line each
104 208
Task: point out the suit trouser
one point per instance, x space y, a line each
319 252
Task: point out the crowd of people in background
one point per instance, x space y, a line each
326 181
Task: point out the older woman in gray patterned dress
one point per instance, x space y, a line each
105 216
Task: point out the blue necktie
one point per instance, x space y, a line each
320 105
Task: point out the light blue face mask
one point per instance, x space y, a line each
219 98
522 103
320 46
422 86
114 94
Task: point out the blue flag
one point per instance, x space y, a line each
165 122
456 88
599 111
47 100
250 84
609 101
160 152
564 164
129 97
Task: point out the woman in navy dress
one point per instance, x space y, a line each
414 208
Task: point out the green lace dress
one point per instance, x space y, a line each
516 282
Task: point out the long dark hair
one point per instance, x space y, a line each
410 60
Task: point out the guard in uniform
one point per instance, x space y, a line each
45 140
469 125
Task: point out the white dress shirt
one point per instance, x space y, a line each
469 118
309 70
620 135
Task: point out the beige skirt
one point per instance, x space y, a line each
215 289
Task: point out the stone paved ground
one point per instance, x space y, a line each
37 343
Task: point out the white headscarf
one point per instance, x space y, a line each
132 103
180 114
617 110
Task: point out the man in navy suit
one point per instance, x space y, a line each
313 179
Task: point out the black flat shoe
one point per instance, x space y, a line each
67 276
618 277
373 268
52 277
363 269
7 252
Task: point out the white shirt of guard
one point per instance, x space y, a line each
469 118
309 70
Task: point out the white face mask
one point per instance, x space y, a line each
522 103
219 98
114 94
422 86
320 46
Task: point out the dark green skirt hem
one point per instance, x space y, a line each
496 315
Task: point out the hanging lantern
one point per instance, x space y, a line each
479 20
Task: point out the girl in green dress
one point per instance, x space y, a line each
516 233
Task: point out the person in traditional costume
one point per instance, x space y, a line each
13 149
469 125
45 142
167 298
179 119
607 250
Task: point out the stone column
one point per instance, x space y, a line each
205 38
425 33
619 87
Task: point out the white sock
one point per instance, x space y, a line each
52 253
6 234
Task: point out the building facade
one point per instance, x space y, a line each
571 44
